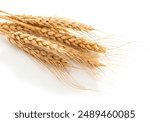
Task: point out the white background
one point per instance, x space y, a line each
26 86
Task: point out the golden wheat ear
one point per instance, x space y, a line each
54 21
51 22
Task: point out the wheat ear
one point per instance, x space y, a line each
51 22
56 21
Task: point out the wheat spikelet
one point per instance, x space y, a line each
14 27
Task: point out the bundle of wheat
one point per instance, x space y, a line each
50 41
